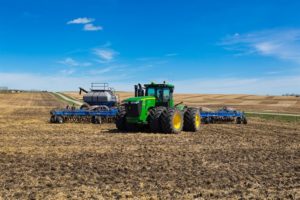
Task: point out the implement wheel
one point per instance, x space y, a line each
192 120
245 120
59 119
172 120
154 119
96 120
121 119
52 119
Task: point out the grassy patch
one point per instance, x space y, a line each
62 99
70 97
275 117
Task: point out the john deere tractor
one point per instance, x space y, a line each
153 107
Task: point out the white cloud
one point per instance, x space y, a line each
92 27
106 55
115 68
101 71
69 62
278 43
87 25
86 64
73 63
67 71
83 20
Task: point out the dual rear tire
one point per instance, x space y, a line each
164 120
172 120
192 120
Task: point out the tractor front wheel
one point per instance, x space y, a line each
192 120
172 120
154 119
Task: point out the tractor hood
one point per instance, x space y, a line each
137 99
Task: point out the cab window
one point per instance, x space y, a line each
150 92
166 94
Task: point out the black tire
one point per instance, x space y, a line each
121 119
59 119
238 120
154 119
96 120
245 120
192 120
52 119
167 121
132 127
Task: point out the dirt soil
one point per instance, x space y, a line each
39 160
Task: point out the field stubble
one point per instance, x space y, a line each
39 160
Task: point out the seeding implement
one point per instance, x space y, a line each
81 115
152 107
223 115
100 105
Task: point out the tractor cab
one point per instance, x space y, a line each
162 92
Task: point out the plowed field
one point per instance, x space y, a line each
39 160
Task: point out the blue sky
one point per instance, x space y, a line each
204 46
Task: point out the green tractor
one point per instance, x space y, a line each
153 107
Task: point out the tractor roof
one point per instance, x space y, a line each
159 85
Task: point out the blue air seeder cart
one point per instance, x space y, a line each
100 105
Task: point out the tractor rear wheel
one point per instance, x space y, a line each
121 119
238 120
192 120
154 119
172 120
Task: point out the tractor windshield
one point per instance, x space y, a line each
162 94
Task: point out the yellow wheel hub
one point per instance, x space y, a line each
177 121
197 120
